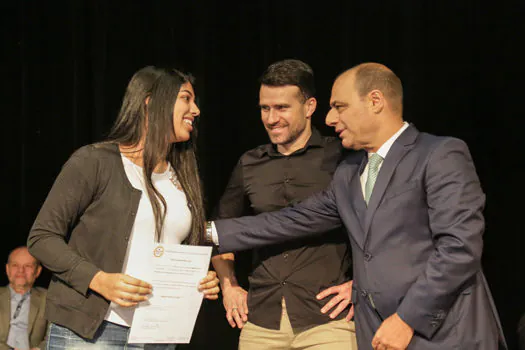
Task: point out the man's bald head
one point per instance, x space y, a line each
366 77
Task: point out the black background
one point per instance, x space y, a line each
66 64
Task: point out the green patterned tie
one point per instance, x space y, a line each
373 169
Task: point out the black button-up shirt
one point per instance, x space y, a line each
265 180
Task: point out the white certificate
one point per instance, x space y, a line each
169 315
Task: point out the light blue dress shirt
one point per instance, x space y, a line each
18 336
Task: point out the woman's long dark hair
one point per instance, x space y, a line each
155 120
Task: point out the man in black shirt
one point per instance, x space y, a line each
287 303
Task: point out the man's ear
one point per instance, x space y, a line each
376 101
310 105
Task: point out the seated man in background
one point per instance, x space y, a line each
22 322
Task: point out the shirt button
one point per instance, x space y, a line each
283 283
286 180
439 315
285 255
368 256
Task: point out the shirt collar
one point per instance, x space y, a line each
15 295
383 150
315 140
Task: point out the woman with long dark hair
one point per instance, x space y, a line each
112 199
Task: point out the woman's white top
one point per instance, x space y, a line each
177 225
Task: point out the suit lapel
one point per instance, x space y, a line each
356 163
5 312
33 309
399 149
358 200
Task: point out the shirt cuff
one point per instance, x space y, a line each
214 235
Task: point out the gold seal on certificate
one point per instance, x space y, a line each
158 251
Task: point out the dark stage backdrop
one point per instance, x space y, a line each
66 64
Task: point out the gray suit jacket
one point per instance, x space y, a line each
416 247
37 323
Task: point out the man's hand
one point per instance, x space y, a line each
342 300
236 305
121 289
209 285
393 334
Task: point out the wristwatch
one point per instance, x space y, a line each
209 237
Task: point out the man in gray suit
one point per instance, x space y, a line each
22 306
412 205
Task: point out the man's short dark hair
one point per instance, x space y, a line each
291 72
